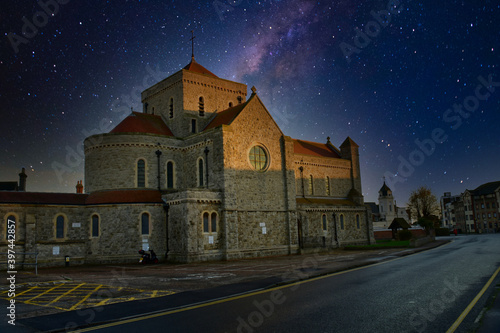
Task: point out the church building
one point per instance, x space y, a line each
202 173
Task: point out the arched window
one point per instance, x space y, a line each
95 225
205 223
145 224
324 222
230 104
341 221
171 108
201 106
311 189
327 184
213 222
209 222
200 173
141 173
357 222
170 175
60 226
11 220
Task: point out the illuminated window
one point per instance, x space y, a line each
258 158
201 106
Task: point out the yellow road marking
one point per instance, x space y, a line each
153 294
45 292
472 304
69 291
224 300
85 298
23 292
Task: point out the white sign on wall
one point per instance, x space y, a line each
55 250
210 239
76 225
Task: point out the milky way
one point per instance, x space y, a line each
401 78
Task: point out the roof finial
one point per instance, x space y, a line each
192 44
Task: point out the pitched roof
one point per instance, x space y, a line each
193 66
313 149
373 207
227 116
142 123
9 186
348 142
487 188
124 196
43 198
399 222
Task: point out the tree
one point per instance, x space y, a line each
423 203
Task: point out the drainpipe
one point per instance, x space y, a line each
166 207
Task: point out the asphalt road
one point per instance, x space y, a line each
425 292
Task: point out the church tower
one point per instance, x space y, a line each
190 98
386 203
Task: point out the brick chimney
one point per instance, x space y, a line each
79 187
22 180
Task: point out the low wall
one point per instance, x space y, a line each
387 234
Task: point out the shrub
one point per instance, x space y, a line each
442 232
404 235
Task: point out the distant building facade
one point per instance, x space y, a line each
475 210
203 173
386 211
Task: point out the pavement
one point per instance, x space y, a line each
63 298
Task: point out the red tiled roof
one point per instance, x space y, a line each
313 149
142 123
101 197
227 116
193 66
124 196
43 198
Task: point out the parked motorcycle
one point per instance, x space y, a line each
148 257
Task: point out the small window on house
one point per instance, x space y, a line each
200 173
230 104
193 125
201 106
213 222
323 218
482 206
171 108
311 186
141 173
240 99
145 107
95 225
357 222
487 206
205 222
327 184
341 222
170 175
10 218
60 226
145 224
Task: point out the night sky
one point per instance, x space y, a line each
322 68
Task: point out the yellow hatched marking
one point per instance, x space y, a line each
153 294
85 298
61 296
45 292
23 292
